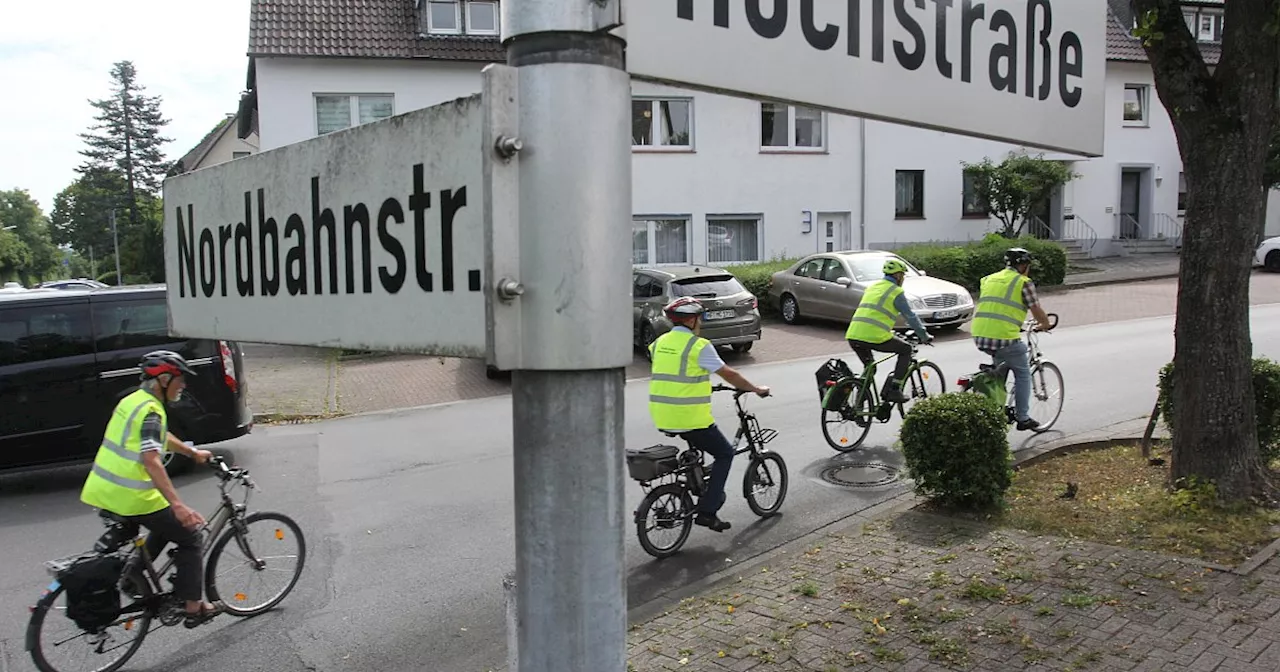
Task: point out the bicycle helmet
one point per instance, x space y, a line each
159 362
893 265
683 308
1016 256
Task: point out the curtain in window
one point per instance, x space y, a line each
373 108
808 127
773 125
905 196
675 122
333 113
671 243
640 242
732 240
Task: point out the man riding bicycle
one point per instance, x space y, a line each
680 397
1004 299
128 477
871 327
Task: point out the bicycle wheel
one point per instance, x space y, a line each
846 428
95 651
760 476
673 514
924 380
262 550
1047 395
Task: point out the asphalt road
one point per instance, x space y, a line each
409 522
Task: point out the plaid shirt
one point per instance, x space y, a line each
990 345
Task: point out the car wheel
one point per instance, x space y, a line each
743 347
790 309
1272 262
646 337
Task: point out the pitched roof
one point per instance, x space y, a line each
357 29
201 150
1123 46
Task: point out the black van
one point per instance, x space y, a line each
67 356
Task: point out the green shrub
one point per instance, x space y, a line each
1266 404
967 264
956 447
755 277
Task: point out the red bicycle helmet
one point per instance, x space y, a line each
684 307
160 362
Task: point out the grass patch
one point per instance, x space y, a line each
1122 500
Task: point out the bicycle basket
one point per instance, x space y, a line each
831 372
93 599
651 462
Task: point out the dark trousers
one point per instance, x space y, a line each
712 442
894 345
164 527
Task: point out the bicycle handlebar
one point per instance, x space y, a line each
225 473
1032 326
736 392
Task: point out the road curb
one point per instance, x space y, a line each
1068 286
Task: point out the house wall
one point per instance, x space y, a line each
225 148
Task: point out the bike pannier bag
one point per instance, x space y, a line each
651 462
93 599
990 387
831 371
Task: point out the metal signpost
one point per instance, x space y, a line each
497 226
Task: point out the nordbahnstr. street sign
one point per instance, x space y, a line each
1025 71
370 237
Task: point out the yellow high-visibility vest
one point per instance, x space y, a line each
679 388
119 482
1000 310
874 319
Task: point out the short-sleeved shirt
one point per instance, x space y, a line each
1029 299
152 436
708 358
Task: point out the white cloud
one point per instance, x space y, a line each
56 56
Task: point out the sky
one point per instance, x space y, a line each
56 56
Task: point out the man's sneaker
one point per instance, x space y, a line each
893 395
711 521
1028 424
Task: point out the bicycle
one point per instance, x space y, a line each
682 477
122 545
837 384
993 380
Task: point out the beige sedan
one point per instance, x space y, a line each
829 285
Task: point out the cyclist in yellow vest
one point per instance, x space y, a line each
871 327
128 477
680 397
1003 301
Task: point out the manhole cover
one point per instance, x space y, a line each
860 475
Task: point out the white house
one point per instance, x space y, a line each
719 179
217 146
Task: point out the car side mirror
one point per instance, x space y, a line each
922 271
842 280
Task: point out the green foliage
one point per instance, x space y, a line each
127 136
968 264
755 277
956 447
27 250
1146 29
1011 188
1266 400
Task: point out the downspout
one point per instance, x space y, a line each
862 192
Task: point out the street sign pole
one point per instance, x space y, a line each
567 289
115 239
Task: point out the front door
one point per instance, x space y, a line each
836 230
1130 203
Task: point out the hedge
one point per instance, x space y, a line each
755 277
967 264
1266 404
956 446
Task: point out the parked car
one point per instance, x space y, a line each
829 286
732 318
72 283
1268 254
68 356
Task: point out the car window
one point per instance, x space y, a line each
37 333
870 267
131 324
811 268
707 287
833 270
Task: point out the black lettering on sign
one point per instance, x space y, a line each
1006 55
222 256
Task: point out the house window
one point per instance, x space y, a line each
662 123
909 194
239 155
732 239
335 112
1182 192
791 127
1135 104
660 241
972 205
446 17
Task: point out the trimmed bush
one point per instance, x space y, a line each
956 447
755 277
1266 404
967 264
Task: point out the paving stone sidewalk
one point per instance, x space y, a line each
904 589
1133 268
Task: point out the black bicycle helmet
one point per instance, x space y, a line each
159 362
1016 256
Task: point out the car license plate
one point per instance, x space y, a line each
945 314
720 314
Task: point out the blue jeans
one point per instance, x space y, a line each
712 442
1016 356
